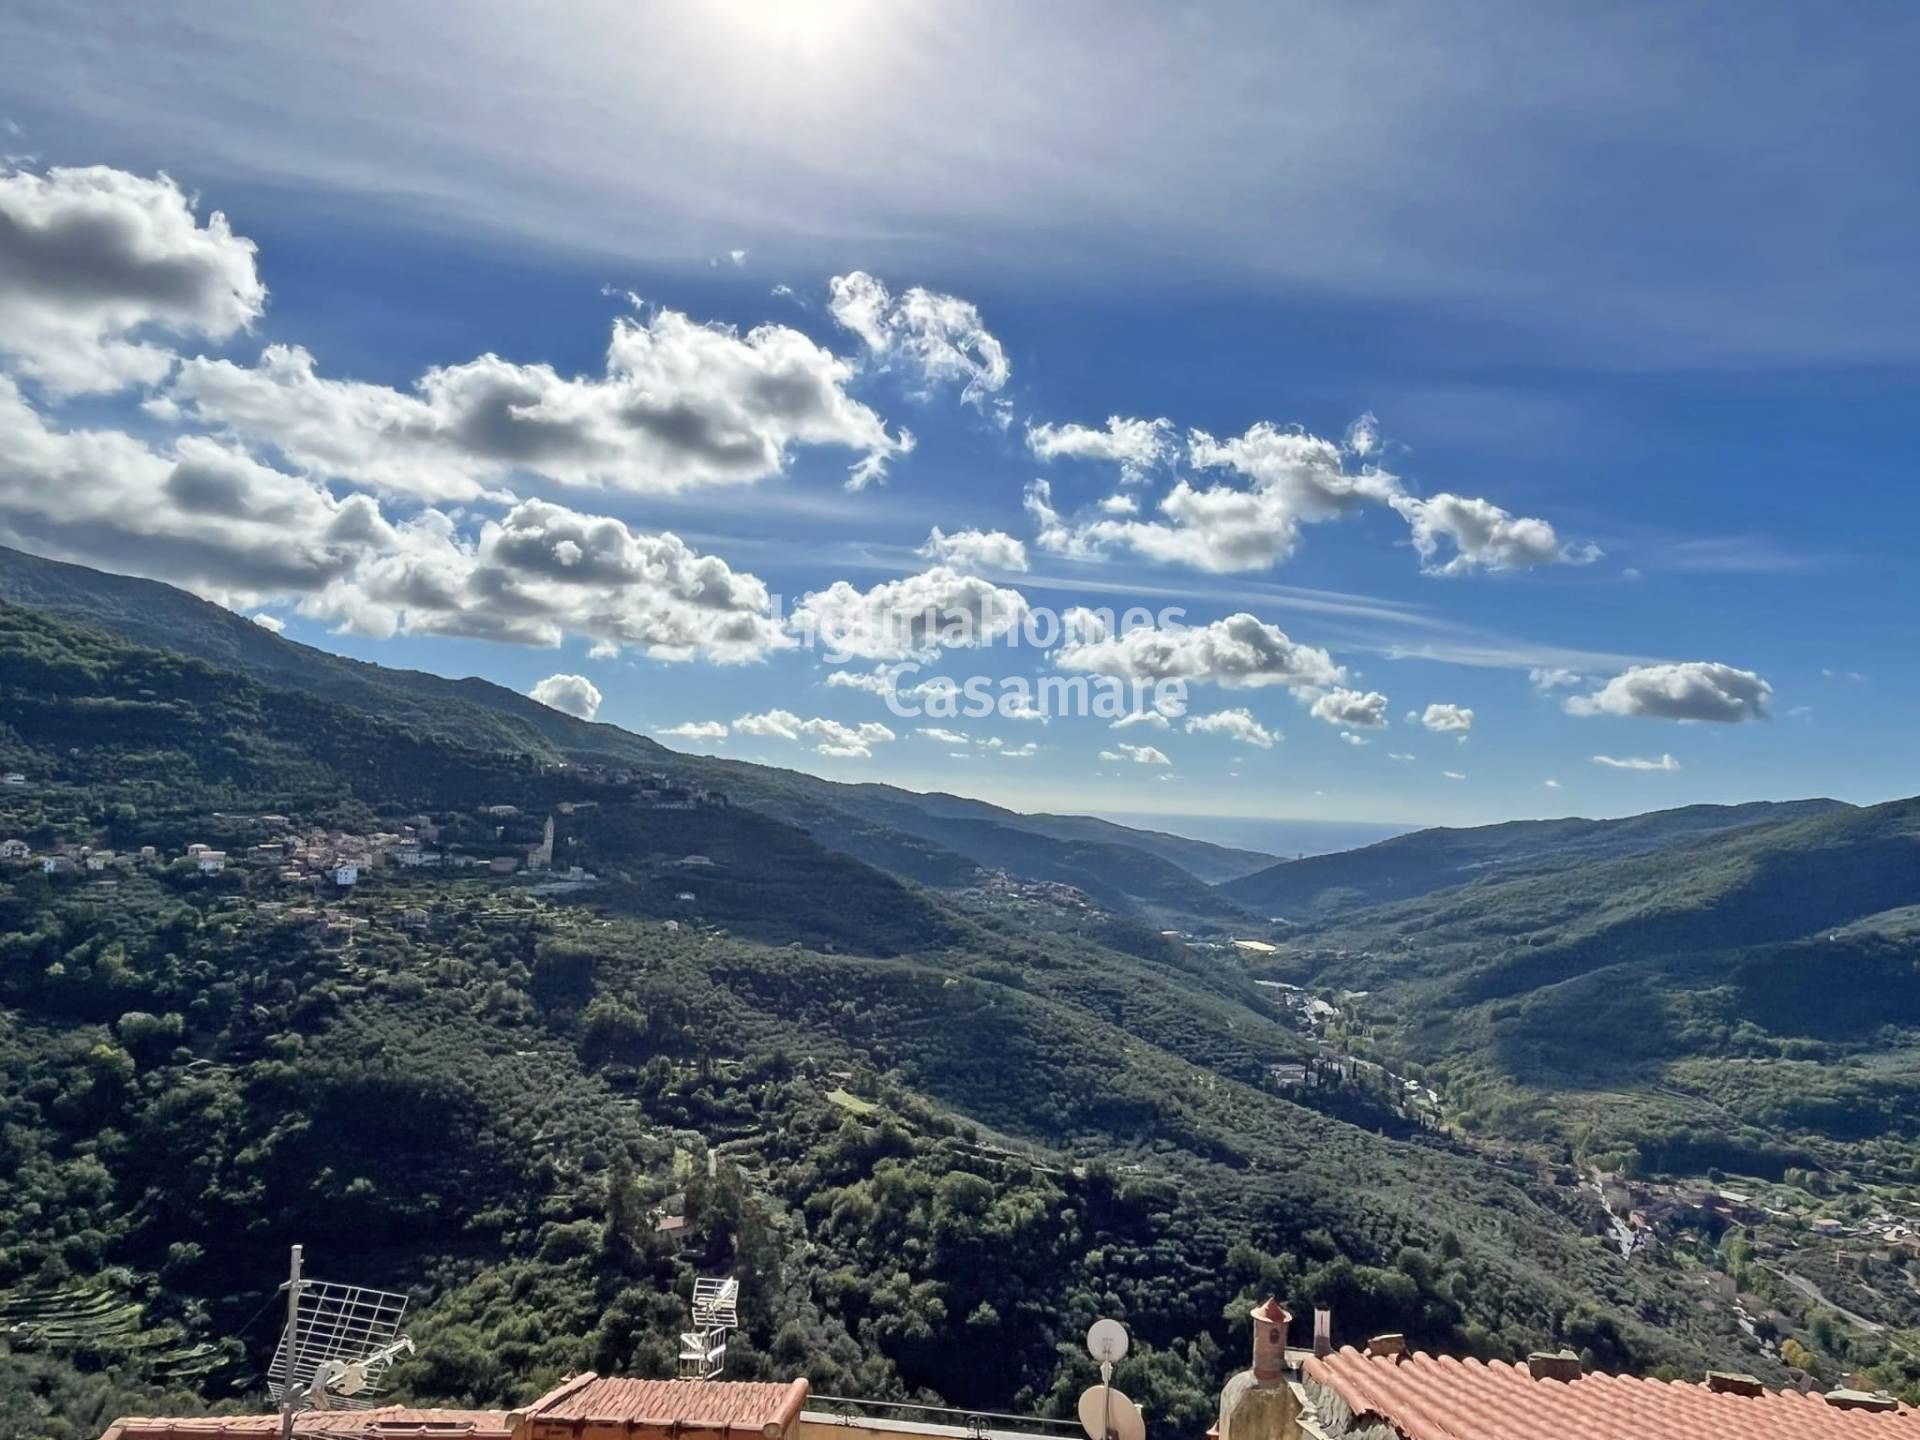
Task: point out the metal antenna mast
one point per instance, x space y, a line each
292 1341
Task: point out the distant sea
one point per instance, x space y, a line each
1285 838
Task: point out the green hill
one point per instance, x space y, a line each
449 1083
1408 866
934 839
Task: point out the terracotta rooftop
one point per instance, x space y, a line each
1428 1398
388 1422
601 1407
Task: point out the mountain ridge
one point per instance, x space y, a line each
912 834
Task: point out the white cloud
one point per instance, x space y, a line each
975 550
1052 531
1353 739
1363 436
680 405
1292 478
1613 762
1483 536
847 742
882 680
1024 751
1238 652
269 622
573 695
1548 678
1691 690
1400 755
770 725
207 516
833 739
1138 447
1238 725
915 616
1119 505
1446 719
940 337
1152 719
95 261
715 730
945 737
1138 754
1364 711
1453 774
1551 784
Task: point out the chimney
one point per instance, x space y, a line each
1724 1382
1270 1321
1322 1331
1387 1346
1860 1400
1560 1365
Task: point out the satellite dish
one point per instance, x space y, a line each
1107 1342
1106 1414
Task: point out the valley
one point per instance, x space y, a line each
939 1083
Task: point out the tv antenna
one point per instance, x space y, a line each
337 1345
716 1310
1106 1413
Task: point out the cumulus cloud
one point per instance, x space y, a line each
1690 690
269 622
1615 762
1238 725
1152 719
207 516
95 261
680 405
1352 739
573 695
1024 751
1547 679
715 730
1482 536
832 738
1137 754
1239 652
1290 479
1138 447
1364 710
913 617
1279 480
1119 505
975 550
940 338
1446 719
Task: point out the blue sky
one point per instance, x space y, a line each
1642 276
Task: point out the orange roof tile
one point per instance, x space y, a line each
386 1422
601 1406
1429 1398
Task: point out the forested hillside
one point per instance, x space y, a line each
934 839
1409 866
945 1131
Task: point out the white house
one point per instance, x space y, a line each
346 874
211 862
14 850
